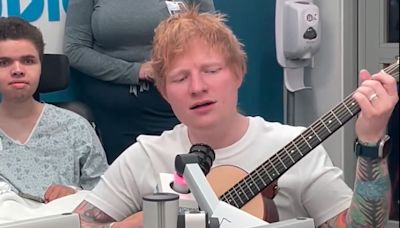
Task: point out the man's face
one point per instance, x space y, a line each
20 69
201 88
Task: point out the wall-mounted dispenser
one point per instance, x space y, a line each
297 36
301 35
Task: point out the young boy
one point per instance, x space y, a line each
45 151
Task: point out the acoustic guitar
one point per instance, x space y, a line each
254 192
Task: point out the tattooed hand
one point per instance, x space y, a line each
93 217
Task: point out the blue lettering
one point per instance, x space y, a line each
32 12
54 9
54 12
35 9
65 4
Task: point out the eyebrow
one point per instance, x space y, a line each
20 57
211 65
28 57
202 66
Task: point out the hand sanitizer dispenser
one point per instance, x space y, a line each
297 36
301 30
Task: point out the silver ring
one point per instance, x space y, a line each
374 96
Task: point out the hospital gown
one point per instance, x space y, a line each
62 148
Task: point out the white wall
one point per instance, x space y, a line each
333 77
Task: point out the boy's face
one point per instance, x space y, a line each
200 87
20 69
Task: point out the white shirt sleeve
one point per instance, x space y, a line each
313 188
324 192
119 192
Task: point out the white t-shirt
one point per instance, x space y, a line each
313 187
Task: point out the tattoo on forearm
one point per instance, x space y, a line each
369 206
371 199
336 222
91 216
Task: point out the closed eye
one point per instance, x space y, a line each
212 70
179 78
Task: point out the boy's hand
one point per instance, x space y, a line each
56 191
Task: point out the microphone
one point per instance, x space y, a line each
179 184
201 154
168 184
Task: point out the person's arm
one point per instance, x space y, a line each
371 198
78 46
92 158
89 154
56 191
117 196
91 216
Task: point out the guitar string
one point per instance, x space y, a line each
304 135
332 115
299 141
280 167
297 145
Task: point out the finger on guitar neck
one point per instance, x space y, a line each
387 77
387 81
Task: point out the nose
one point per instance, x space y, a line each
17 70
197 84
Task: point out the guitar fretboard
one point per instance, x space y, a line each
279 163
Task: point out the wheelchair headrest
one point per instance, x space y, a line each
55 73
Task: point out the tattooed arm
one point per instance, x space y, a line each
371 197
92 217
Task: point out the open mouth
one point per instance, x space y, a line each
200 105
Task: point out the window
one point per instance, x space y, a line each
393 21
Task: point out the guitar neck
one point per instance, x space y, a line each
279 163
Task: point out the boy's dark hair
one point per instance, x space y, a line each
15 28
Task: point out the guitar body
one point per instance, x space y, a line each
222 178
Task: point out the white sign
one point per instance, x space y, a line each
47 15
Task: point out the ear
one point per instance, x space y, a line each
161 90
239 79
